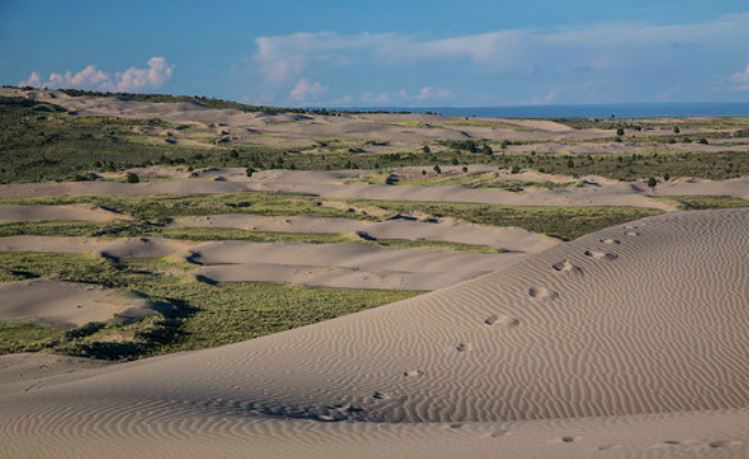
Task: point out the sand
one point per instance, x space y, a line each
509 238
629 342
123 247
28 213
344 265
66 304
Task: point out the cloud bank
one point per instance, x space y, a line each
565 64
132 79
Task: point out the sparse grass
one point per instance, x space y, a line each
20 336
200 315
565 223
708 202
482 180
164 206
440 245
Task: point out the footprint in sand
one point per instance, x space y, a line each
381 396
610 241
542 293
599 255
565 266
463 347
497 319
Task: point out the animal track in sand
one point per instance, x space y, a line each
610 241
565 266
599 255
542 293
381 396
499 319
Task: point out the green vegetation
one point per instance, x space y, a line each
708 202
19 336
480 180
565 223
196 315
165 206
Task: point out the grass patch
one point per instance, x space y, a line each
708 202
165 206
439 245
25 337
565 223
200 316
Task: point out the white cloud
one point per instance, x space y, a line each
613 51
305 89
428 92
541 100
132 79
740 81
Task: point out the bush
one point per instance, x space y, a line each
677 130
570 163
620 132
132 177
426 149
437 169
465 169
487 150
515 169
652 182
703 141
249 171
666 177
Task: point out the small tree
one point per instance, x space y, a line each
652 182
426 149
620 132
132 177
437 169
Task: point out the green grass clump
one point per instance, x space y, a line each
26 337
709 202
195 315
565 223
439 245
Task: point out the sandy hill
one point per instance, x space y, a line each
629 342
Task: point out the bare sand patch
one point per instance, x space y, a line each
27 213
64 303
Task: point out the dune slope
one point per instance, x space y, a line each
620 324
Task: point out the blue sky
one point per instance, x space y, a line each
389 53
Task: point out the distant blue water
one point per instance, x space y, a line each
644 110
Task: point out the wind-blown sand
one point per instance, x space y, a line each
27 213
64 303
507 238
344 265
572 352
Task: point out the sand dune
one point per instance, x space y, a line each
28 213
509 238
24 372
609 329
332 185
64 303
123 247
344 265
